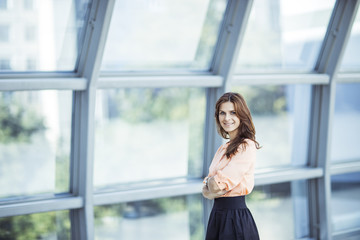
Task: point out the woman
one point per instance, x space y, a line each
231 173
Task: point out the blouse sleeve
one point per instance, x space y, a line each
241 164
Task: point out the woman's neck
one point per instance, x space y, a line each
232 136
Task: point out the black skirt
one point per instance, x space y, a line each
230 219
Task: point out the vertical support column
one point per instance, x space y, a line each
230 39
301 96
231 35
82 142
82 219
211 143
322 114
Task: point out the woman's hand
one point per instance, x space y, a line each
207 194
211 190
214 188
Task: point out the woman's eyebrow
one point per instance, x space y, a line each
231 110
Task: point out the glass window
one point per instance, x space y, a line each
281 117
279 205
50 225
351 60
164 218
147 134
49 31
163 35
346 127
35 129
345 201
284 35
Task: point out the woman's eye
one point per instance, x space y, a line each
233 112
222 113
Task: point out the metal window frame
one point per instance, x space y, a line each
165 189
140 194
281 79
87 79
345 167
82 144
346 234
43 205
263 177
20 84
199 80
328 61
348 78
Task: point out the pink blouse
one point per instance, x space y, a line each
235 174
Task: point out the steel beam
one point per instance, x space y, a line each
82 151
322 114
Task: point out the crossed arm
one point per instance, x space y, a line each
211 190
230 176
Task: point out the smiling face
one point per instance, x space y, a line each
228 119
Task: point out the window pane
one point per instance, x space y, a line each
351 60
50 225
163 35
166 218
47 31
148 134
281 116
346 127
345 201
279 205
284 35
35 130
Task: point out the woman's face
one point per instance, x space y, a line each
228 119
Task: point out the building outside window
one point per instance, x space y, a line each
4 33
30 33
5 64
3 4
29 4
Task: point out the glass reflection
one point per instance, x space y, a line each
346 128
166 218
163 35
281 116
284 35
35 129
148 134
278 205
345 201
45 33
351 60
50 225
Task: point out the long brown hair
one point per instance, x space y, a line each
246 129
